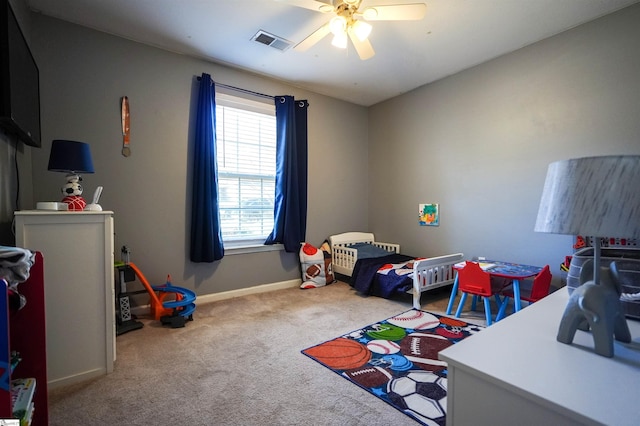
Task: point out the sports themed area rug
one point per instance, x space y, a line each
397 360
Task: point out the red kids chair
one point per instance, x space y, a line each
473 280
531 291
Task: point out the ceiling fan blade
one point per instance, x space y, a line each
318 6
363 47
397 12
312 39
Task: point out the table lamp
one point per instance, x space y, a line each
598 197
72 158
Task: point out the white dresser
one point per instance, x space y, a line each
78 283
515 372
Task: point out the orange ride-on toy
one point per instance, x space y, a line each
175 311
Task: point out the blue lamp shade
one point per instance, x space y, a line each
70 157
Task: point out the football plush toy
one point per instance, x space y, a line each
72 191
316 265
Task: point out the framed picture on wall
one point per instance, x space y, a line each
428 214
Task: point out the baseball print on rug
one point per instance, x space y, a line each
397 361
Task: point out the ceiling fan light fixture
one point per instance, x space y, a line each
340 40
361 30
338 25
370 13
349 21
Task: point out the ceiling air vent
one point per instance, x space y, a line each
272 40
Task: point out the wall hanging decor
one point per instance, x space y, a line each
428 215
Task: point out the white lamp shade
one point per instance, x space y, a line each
340 40
361 30
338 25
592 196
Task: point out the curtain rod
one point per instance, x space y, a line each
238 89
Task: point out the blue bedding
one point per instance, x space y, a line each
366 250
384 276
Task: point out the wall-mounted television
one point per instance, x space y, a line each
19 81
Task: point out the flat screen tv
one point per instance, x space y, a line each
19 81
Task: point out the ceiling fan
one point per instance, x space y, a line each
349 22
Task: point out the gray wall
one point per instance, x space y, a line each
84 73
479 142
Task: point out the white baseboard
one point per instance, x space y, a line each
215 297
75 378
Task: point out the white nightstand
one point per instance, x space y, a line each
515 372
78 284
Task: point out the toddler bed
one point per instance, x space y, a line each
378 268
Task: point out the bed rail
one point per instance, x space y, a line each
432 273
343 260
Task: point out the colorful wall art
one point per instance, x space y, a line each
428 215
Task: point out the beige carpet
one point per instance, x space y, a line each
239 363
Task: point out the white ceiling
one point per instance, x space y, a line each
454 35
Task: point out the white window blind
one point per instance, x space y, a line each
246 156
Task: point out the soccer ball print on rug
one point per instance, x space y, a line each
397 360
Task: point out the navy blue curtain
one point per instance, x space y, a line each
290 209
206 235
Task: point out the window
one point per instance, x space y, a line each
246 155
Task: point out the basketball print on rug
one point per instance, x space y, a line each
397 361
